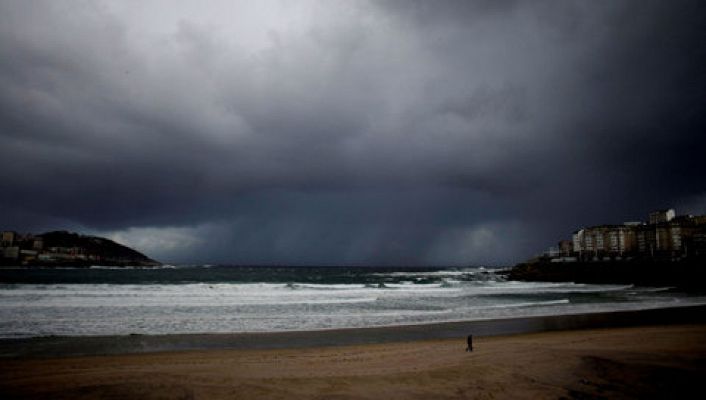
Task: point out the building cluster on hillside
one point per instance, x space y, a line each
666 236
19 249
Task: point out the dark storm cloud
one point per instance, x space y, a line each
362 132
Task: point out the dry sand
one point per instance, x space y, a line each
641 362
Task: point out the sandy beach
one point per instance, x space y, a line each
636 362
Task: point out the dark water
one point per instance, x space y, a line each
237 274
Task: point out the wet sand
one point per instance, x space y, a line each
638 362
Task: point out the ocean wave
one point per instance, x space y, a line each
652 289
130 267
446 289
519 305
440 273
316 286
546 287
274 300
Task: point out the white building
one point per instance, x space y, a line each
577 239
660 216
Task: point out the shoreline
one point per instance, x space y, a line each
75 346
687 274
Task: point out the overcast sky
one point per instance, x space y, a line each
348 132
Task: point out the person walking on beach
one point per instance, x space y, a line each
470 343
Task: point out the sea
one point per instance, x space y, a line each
36 302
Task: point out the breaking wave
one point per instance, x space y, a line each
106 301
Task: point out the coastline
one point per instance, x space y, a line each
76 346
687 274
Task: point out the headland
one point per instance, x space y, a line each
63 248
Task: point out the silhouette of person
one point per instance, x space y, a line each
470 343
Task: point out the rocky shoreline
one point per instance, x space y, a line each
687 274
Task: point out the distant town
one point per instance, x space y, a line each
66 248
664 237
